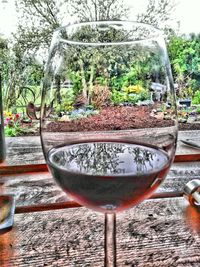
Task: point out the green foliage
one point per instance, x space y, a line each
66 105
12 131
101 80
118 82
4 57
12 125
133 98
198 110
125 78
184 55
22 73
185 92
118 97
196 98
126 96
34 74
75 77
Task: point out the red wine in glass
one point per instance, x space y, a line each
108 176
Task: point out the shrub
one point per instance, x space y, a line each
118 97
68 97
196 98
198 110
131 94
100 96
133 98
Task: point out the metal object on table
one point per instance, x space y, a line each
7 211
192 192
192 143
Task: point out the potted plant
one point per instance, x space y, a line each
185 97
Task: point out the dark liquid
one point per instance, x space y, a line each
108 175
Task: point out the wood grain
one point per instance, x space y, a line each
60 238
23 150
155 233
27 150
40 188
159 232
33 188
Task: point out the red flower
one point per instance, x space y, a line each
17 116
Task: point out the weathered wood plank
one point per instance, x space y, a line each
33 188
179 175
40 188
183 149
155 233
159 233
61 238
23 150
27 150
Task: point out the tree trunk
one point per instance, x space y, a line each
83 80
58 87
2 137
90 84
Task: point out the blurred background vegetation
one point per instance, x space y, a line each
24 53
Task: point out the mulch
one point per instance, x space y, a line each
112 118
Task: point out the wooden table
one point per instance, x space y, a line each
51 230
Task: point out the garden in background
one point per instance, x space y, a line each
87 95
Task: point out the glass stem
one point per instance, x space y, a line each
110 240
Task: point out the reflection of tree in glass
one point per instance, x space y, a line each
141 157
95 158
103 158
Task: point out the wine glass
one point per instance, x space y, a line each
108 117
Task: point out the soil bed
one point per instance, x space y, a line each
112 118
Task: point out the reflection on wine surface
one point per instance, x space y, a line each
108 175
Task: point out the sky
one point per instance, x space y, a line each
187 12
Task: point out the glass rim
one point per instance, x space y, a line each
155 35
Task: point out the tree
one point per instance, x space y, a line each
18 70
4 52
184 55
98 10
39 18
6 61
158 13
